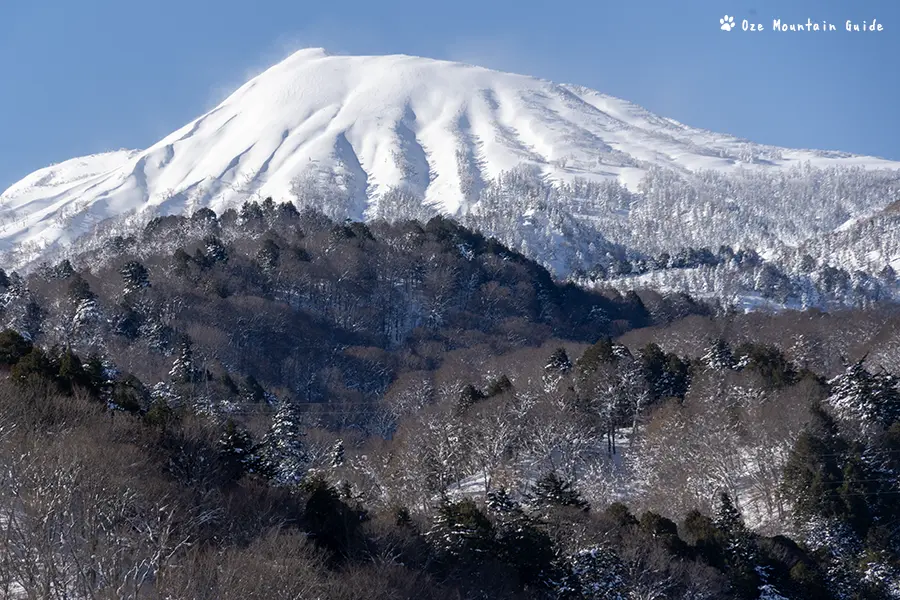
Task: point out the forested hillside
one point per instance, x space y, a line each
270 404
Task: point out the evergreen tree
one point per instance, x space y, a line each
520 540
215 249
29 320
558 362
204 216
63 270
282 454
498 386
252 390
719 356
666 375
468 397
500 502
71 372
235 447
869 401
135 276
461 531
741 555
552 490
183 368
251 211
596 573
13 346
269 255
557 367
333 524
769 362
601 352
336 454
35 364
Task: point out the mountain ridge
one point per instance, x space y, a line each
363 137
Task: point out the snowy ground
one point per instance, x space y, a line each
366 124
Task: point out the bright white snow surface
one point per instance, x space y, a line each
370 123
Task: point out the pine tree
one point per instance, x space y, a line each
13 346
552 490
183 368
520 540
336 454
283 456
252 391
558 362
135 276
741 554
235 447
268 256
251 211
719 356
215 249
601 352
870 401
558 365
498 386
728 518
461 531
86 313
63 270
597 573
468 397
70 371
499 501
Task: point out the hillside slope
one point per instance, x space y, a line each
370 129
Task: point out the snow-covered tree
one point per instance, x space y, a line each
235 448
336 454
135 276
596 573
215 249
869 402
462 531
719 356
184 369
282 454
553 490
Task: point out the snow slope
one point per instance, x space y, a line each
367 124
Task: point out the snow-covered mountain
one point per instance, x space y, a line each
376 130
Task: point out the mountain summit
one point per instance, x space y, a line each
368 126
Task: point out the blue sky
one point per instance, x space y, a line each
79 77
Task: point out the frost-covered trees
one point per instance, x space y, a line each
282 454
611 387
462 531
596 573
740 551
558 366
236 450
868 401
184 370
135 276
719 356
553 490
215 249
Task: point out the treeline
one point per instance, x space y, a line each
106 499
317 309
733 276
270 404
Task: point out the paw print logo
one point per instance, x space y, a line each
727 23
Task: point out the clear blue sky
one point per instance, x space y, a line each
85 76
